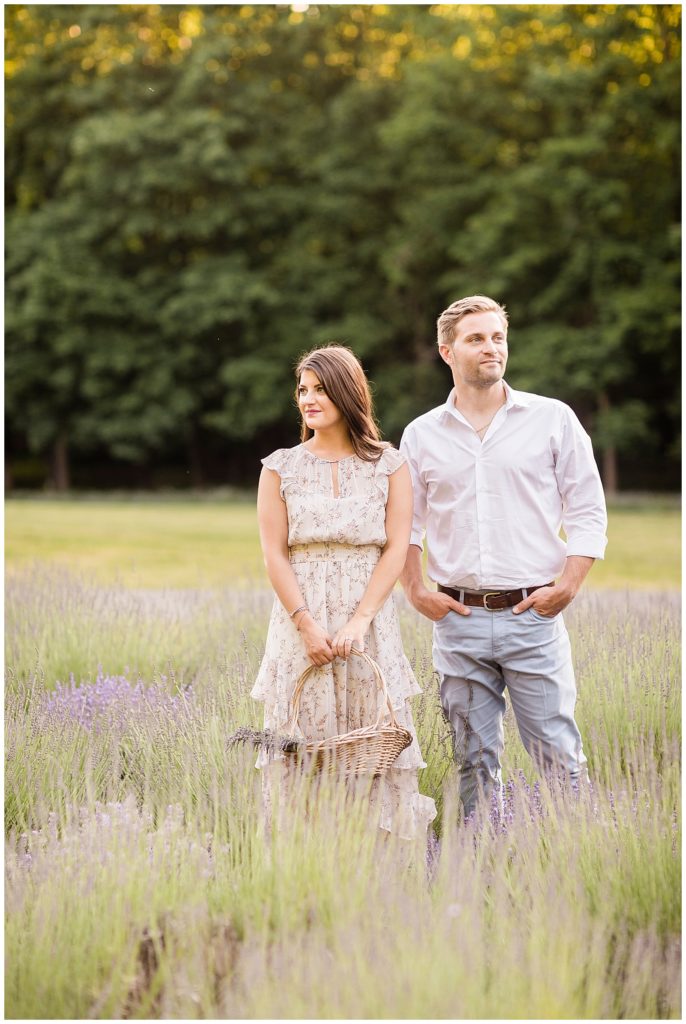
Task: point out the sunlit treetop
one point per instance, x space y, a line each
359 40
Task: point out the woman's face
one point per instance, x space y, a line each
316 408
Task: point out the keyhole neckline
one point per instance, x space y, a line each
329 462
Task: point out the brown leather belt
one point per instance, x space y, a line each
494 600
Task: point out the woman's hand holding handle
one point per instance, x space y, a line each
353 634
317 641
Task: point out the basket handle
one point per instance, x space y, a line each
378 675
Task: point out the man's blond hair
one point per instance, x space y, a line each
456 311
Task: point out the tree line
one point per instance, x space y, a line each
196 195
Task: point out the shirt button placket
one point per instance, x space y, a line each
481 521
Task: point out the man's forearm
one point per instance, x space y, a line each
412 576
551 600
575 572
431 603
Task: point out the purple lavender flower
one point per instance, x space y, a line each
113 700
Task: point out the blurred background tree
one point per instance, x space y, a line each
195 195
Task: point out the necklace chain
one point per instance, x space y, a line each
480 430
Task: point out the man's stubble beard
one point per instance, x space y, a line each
483 384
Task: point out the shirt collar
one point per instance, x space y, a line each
513 400
516 399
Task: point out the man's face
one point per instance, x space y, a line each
478 355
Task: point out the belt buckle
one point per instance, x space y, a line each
491 593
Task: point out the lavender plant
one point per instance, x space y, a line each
59 624
136 843
113 702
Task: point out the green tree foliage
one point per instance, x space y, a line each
196 195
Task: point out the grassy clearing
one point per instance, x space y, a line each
141 544
209 544
135 840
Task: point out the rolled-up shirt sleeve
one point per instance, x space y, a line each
408 447
584 515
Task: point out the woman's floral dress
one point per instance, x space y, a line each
334 544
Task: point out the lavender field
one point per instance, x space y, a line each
139 883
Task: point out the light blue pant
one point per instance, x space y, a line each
476 657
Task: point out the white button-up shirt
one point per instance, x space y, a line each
492 509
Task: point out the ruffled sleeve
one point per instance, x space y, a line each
390 460
281 461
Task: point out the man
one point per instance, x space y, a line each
496 472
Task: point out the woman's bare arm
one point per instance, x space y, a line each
272 519
389 566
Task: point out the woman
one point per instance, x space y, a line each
334 515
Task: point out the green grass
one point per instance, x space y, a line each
140 544
208 544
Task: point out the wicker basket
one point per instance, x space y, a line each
368 751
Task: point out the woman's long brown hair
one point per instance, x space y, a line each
345 383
